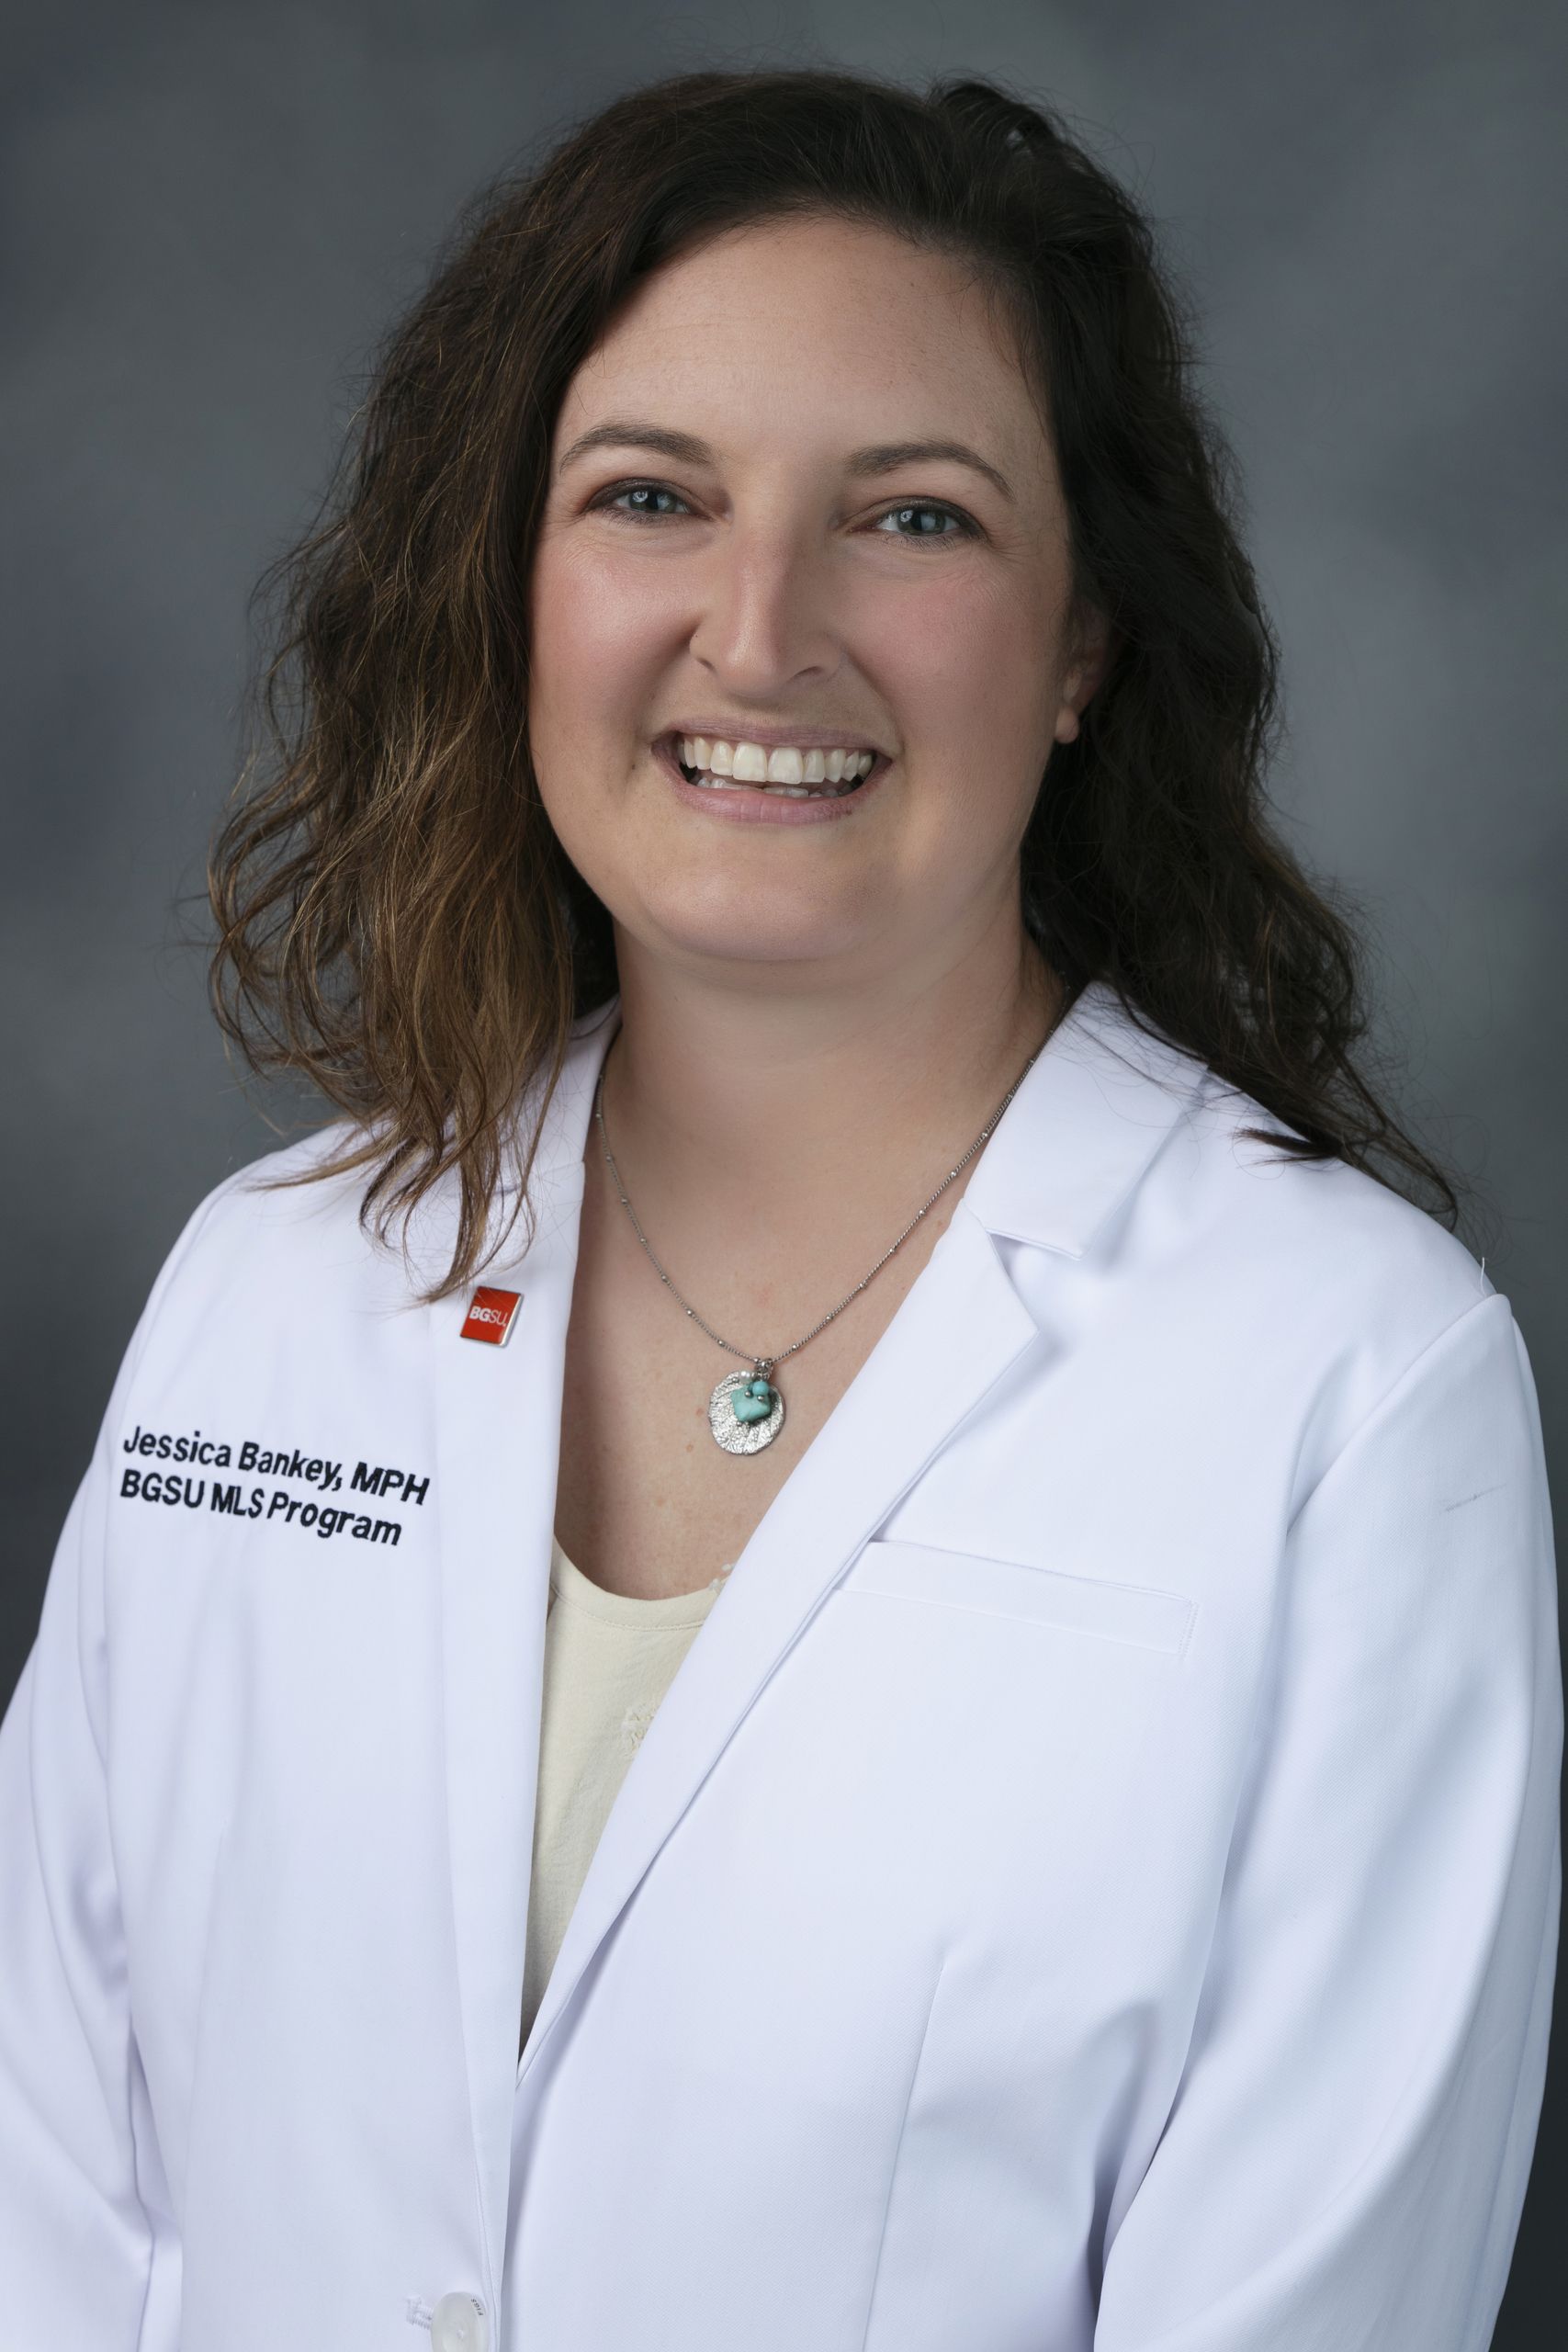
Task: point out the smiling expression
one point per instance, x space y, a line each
802 509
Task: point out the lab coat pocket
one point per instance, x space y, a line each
1014 1588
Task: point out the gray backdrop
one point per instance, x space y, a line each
215 209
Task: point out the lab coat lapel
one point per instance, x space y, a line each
498 1452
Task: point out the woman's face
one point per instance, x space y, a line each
801 498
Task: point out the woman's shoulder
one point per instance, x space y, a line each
1317 1279
1321 1226
302 1193
308 1222
284 1228
1219 1201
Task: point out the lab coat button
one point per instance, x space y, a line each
457 2324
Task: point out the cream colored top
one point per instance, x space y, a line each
609 1661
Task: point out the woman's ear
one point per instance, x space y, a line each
1094 647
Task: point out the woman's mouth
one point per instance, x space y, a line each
765 784
783 772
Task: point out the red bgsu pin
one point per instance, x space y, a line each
491 1314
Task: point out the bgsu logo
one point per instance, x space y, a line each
491 1314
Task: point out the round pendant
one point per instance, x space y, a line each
745 1412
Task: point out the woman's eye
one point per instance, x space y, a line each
642 496
924 518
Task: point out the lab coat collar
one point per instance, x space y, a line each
1083 1126
515 1236
564 1129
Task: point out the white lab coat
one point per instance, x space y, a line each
1093 1879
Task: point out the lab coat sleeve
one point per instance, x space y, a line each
75 2240
1344 2164
78 2235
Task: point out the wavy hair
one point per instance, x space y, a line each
396 920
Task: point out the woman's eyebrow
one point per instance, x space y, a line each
882 458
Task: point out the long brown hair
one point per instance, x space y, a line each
396 920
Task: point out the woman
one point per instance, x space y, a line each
832 1634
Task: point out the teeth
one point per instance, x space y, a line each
750 764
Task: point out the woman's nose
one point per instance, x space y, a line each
767 613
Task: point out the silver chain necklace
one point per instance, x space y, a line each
746 1410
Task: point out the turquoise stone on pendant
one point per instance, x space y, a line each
753 1401
745 1412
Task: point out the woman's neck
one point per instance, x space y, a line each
731 1110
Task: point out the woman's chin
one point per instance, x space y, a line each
732 938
